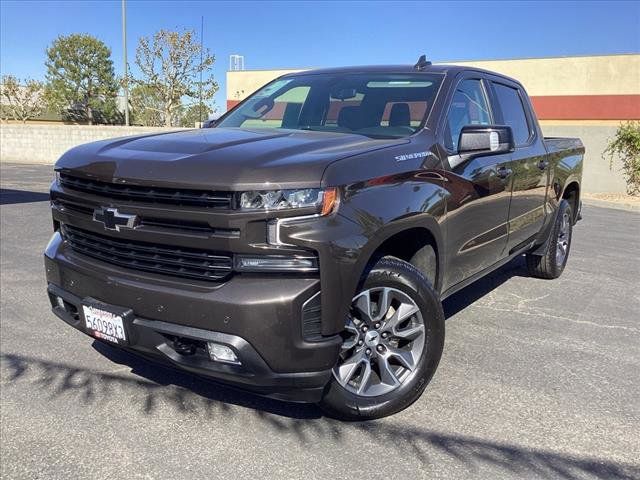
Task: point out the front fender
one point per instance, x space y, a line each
369 214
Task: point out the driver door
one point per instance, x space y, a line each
479 188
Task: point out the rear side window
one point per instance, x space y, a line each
513 112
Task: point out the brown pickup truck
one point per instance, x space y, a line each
300 248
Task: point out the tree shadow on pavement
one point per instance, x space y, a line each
189 395
10 196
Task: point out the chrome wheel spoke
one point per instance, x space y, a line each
349 344
366 377
363 304
409 333
383 304
352 330
404 357
403 312
349 367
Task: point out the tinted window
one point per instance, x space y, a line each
513 112
336 106
411 113
285 112
373 104
468 107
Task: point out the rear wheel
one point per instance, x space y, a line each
392 344
552 263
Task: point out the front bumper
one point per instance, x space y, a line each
258 316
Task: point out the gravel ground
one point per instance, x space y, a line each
539 379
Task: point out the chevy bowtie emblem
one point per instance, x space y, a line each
114 220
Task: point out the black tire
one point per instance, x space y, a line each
395 274
552 263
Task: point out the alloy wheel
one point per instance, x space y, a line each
384 340
564 237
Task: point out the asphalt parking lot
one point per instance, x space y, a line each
539 379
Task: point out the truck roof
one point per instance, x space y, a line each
441 68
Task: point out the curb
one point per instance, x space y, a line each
606 204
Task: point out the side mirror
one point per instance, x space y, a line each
480 140
208 124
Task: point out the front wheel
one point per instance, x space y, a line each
393 342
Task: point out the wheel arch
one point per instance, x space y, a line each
571 193
402 239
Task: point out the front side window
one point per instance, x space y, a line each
513 112
376 104
468 107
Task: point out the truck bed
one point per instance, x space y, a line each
563 144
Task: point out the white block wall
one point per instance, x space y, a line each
45 143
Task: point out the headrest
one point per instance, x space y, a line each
349 117
400 115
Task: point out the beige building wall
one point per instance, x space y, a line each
596 75
590 75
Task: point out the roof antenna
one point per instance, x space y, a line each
422 63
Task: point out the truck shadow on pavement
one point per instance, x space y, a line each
160 388
483 286
10 196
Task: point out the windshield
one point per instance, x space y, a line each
372 104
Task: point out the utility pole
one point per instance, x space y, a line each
126 67
200 90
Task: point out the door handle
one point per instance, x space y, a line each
504 172
542 164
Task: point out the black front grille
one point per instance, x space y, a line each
180 225
202 198
177 261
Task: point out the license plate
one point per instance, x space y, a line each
104 325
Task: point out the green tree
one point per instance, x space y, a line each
191 115
22 99
170 66
626 146
80 78
146 108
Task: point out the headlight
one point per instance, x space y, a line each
286 199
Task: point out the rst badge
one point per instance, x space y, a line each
114 220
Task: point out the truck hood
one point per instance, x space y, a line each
218 158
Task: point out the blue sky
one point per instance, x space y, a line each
319 34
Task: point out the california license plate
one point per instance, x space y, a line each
104 325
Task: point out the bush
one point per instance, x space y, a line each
626 146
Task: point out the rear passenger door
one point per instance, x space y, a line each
529 164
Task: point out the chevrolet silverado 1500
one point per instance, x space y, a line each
300 248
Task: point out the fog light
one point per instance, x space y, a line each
222 353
